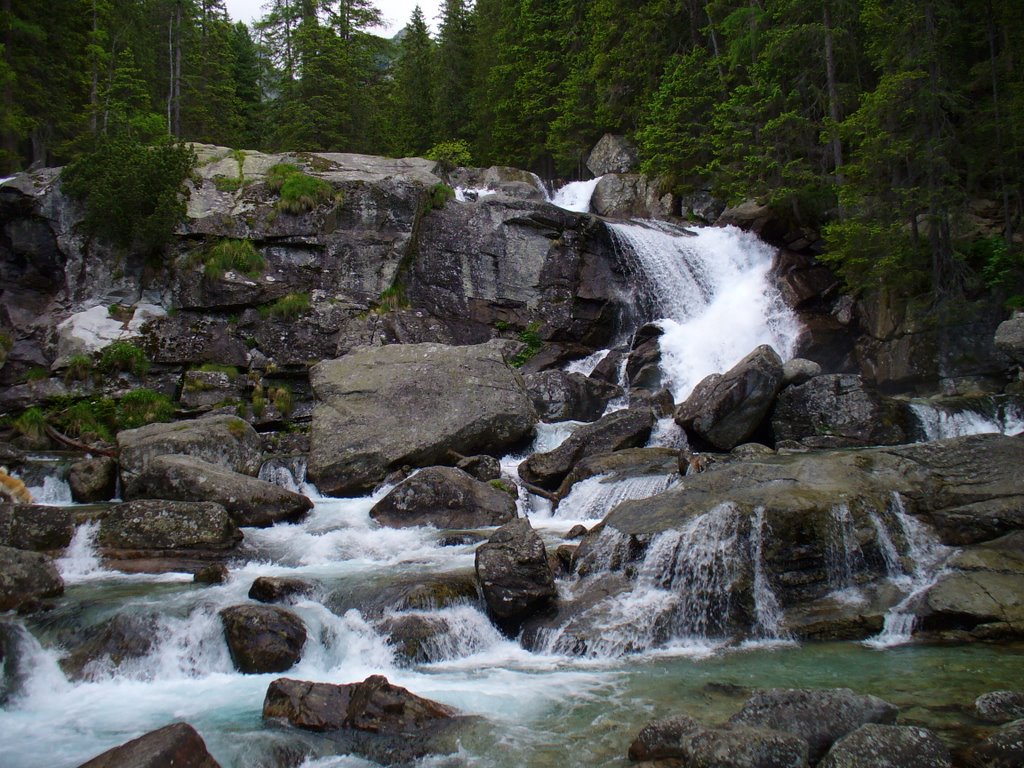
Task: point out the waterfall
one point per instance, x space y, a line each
290 474
843 556
80 561
54 491
697 282
937 422
587 364
595 497
575 196
767 611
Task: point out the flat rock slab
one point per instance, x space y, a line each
168 525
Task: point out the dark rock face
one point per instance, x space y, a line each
561 396
888 746
226 441
630 428
35 526
168 525
1003 749
93 480
515 576
410 405
726 409
278 589
249 501
263 638
25 577
1000 706
818 716
126 636
836 411
178 745
445 498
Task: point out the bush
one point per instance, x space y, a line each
123 356
391 299
451 154
289 307
278 174
89 419
32 424
440 194
282 398
143 406
299 191
79 368
531 338
238 255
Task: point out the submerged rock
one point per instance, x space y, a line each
177 745
684 741
444 497
25 577
661 739
278 589
515 575
1003 749
124 637
888 746
263 638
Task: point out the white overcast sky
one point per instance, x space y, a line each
396 13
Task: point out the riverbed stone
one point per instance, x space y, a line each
124 637
444 497
263 638
1003 749
278 589
660 739
25 577
1000 706
178 745
888 746
168 525
93 480
561 396
36 527
515 575
410 404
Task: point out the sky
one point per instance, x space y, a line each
396 13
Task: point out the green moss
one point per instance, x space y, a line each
230 370
391 299
288 307
227 183
278 174
531 338
501 485
143 406
123 356
301 193
79 368
6 342
38 373
229 254
32 423
501 325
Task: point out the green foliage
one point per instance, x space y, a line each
37 373
451 154
91 419
281 397
278 174
79 368
143 406
531 338
228 183
237 255
440 194
123 356
32 424
391 298
288 307
501 485
1001 266
6 342
299 192
229 370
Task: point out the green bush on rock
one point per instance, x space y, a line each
228 254
123 356
299 191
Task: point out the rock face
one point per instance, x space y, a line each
93 480
726 409
226 441
561 396
1000 706
263 638
1003 749
630 428
25 577
178 745
818 716
514 574
444 497
249 501
410 404
613 154
888 746
35 527
168 525
1009 338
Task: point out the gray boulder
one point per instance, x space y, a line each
888 746
630 428
415 636
124 637
685 740
444 497
226 441
821 717
277 589
1003 749
1010 338
93 480
179 745
1000 706
168 525
411 404
263 638
25 577
798 371
482 467
36 527
613 154
726 409
514 573
249 501
561 396
661 739
632 195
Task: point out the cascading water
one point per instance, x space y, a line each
938 422
591 499
575 196
844 559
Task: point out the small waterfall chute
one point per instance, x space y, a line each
989 415
575 196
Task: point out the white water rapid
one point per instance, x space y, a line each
938 422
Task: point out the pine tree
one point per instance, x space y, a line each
414 116
454 72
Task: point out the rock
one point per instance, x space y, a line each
249 501
799 371
484 468
1000 706
444 497
36 527
226 441
278 589
819 716
515 576
168 525
836 411
661 739
608 369
801 280
888 746
1003 749
379 410
263 638
416 638
378 598
726 409
751 216
632 195
93 480
630 428
177 745
701 206
613 154
25 577
205 389
1009 338
561 396
576 532
623 465
216 573
92 330
124 637
741 747
643 365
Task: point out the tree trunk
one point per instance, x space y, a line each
833 95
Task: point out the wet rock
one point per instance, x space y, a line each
226 441
632 195
36 527
177 745
888 746
1000 706
25 577
613 154
249 501
411 404
1009 338
608 369
263 638
576 532
561 396
726 409
515 576
622 465
124 637
444 497
799 371
377 598
661 739
801 280
484 468
278 589
630 428
819 716
685 740
168 525
415 637
1003 749
216 573
93 480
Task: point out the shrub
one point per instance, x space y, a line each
238 255
79 368
32 423
451 154
531 338
391 299
38 373
89 419
282 398
299 191
440 194
289 307
143 406
278 174
124 356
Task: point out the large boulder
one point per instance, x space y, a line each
263 638
25 577
36 526
515 575
660 739
630 428
835 411
444 497
819 716
1000 706
888 746
150 525
1003 749
226 441
278 589
1009 338
726 409
613 154
632 195
249 501
411 404
93 480
685 740
561 396
178 745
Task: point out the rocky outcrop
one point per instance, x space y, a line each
613 154
444 497
726 409
1003 749
515 576
36 527
263 638
178 745
226 441
561 396
25 577
632 195
1009 338
93 480
1000 706
176 527
888 746
411 404
249 501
